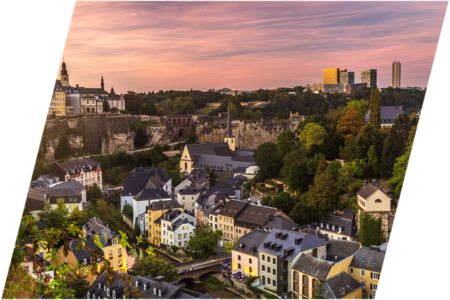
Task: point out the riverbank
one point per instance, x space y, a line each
213 286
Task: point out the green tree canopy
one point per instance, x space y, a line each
153 267
324 193
285 142
268 160
204 240
359 105
374 108
313 134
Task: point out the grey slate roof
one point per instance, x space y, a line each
339 286
368 190
96 226
232 208
164 204
338 250
70 184
312 266
217 149
348 213
388 114
188 191
249 241
34 204
305 242
278 222
367 259
141 178
74 167
153 193
316 233
348 228
151 290
222 163
255 215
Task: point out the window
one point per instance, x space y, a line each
274 272
274 261
250 270
67 260
263 257
363 283
263 267
305 291
274 282
296 287
305 280
351 270
375 276
371 296
26 268
373 286
239 257
268 270
268 280
363 273
249 260
239 266
107 292
295 275
85 261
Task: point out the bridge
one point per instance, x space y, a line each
197 268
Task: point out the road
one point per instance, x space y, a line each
198 265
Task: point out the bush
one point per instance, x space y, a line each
189 253
166 147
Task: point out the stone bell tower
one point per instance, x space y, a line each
229 138
64 77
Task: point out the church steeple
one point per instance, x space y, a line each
102 84
64 77
229 138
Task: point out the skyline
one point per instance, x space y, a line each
149 46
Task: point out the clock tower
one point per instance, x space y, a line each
64 77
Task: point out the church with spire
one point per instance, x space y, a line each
222 158
82 100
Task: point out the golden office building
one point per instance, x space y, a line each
331 76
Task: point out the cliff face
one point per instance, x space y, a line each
108 134
101 133
249 133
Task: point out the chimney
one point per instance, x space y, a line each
374 181
342 290
375 248
77 85
365 182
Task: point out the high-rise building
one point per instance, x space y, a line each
331 76
369 77
347 78
396 74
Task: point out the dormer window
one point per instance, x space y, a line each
104 287
99 285
137 283
145 286
328 226
332 228
88 295
107 292
159 293
340 229
85 261
154 291
114 294
321 225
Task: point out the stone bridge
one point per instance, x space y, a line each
195 269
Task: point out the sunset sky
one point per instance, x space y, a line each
149 46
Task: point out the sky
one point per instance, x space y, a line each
151 46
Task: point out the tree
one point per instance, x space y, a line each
229 246
63 149
373 159
152 266
374 109
79 285
285 142
324 193
370 232
259 114
312 134
400 133
137 229
212 176
106 106
204 240
54 217
141 137
356 167
302 214
359 105
367 137
133 102
351 123
388 156
346 179
331 145
283 201
288 159
396 182
333 168
150 108
299 178
268 160
93 193
322 166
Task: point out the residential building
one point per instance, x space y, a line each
244 253
369 77
30 260
396 74
187 197
111 250
70 184
388 115
280 251
366 268
90 104
210 214
42 252
144 198
226 217
154 212
233 187
58 102
252 217
198 178
372 198
205 203
177 228
148 288
281 222
85 170
341 286
309 270
71 198
116 101
35 200
148 179
341 227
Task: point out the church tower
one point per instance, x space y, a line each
64 77
102 85
229 138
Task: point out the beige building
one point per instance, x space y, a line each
58 102
372 198
244 253
86 171
187 197
226 219
90 104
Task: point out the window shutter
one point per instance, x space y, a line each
371 286
371 275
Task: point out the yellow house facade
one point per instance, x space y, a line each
60 102
155 211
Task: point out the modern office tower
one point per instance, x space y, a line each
396 74
331 76
347 78
369 77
